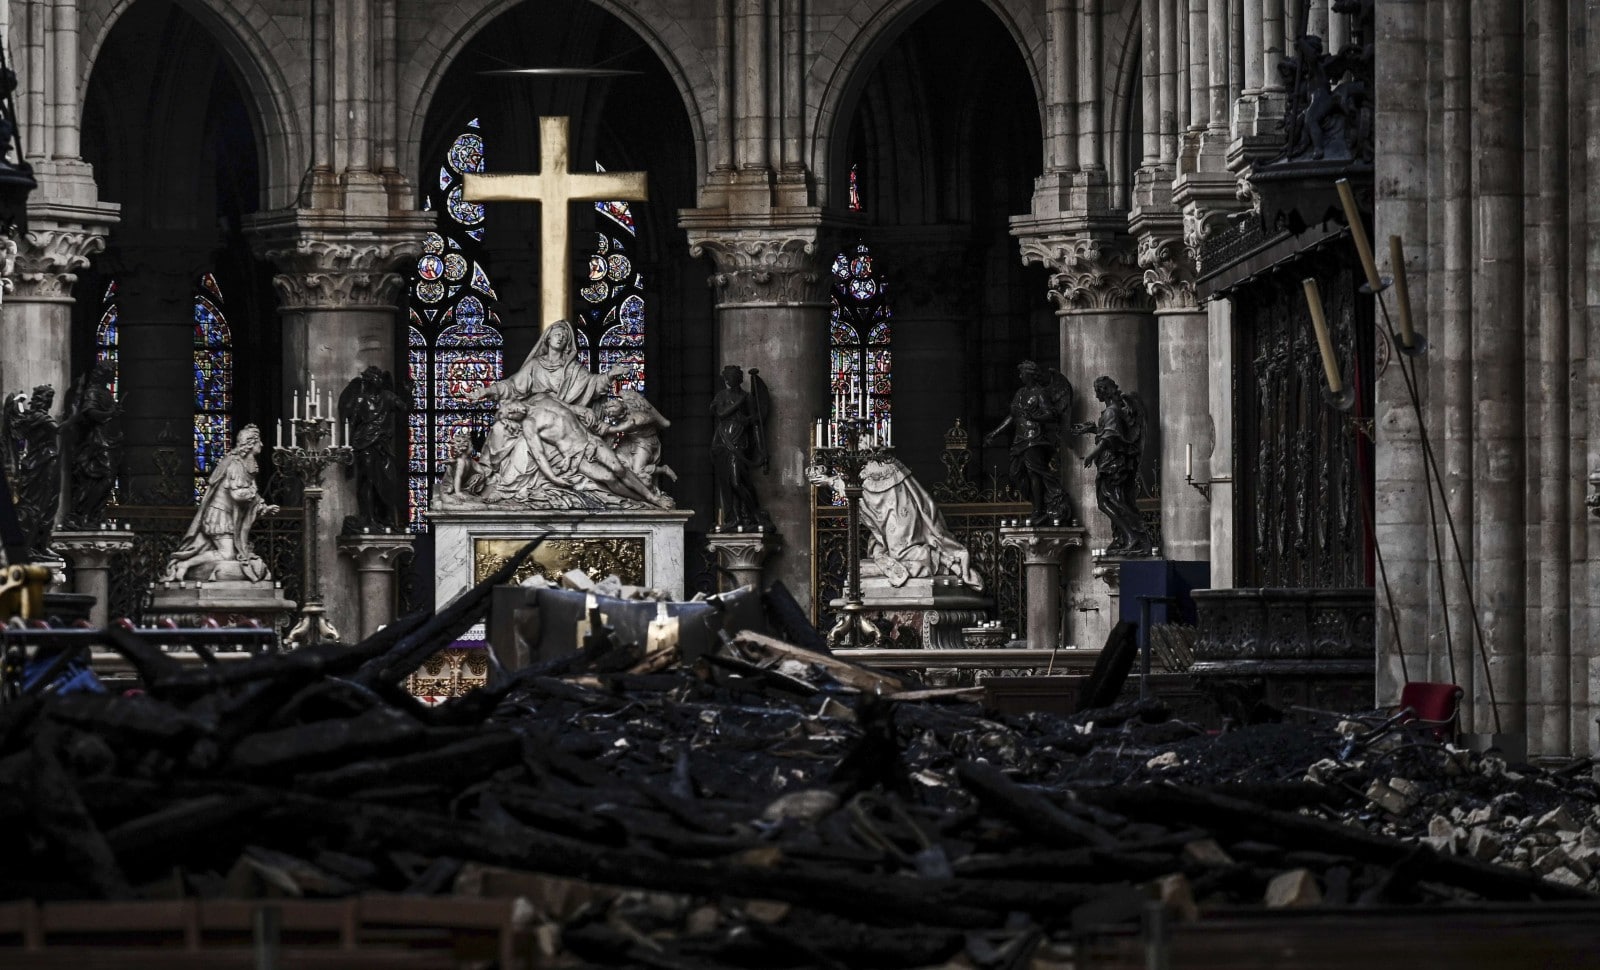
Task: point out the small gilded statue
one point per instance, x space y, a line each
96 446
1118 448
33 460
217 546
1038 409
738 447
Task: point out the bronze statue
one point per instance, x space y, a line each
33 445
1119 446
739 444
1038 408
375 410
96 446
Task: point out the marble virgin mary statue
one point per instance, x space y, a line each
547 449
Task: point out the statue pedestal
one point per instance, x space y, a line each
375 555
939 607
643 548
1043 551
230 602
89 553
742 554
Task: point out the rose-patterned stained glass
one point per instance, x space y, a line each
213 380
106 335
623 345
860 367
611 314
583 348
452 343
617 212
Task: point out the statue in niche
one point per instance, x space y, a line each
33 453
548 448
1038 409
631 425
907 535
1118 447
738 446
96 446
374 411
217 546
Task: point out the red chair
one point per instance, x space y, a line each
1430 705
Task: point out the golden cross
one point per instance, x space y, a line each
553 188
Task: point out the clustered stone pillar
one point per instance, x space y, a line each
772 314
89 554
338 292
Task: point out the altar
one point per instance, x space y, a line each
642 547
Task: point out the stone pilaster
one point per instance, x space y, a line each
772 313
375 554
1043 552
741 555
339 285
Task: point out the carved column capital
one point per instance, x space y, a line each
1042 545
763 267
1168 271
374 551
1092 272
59 242
331 261
8 264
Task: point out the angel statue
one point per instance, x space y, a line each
1038 409
1118 448
738 445
374 410
96 446
631 425
33 462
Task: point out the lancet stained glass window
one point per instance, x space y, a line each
611 316
453 342
213 380
861 361
105 334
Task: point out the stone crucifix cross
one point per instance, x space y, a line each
553 187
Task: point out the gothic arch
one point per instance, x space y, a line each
257 47
847 57
1120 44
455 26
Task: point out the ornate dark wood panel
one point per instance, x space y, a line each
1299 461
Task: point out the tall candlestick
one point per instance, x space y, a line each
1188 466
1397 260
1324 341
1358 232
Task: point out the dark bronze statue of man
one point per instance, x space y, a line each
1037 410
738 445
36 464
1118 449
375 410
96 446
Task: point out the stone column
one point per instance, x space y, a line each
772 314
1043 551
741 554
1182 345
89 554
375 555
338 293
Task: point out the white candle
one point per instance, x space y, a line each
278 442
344 434
327 400
311 399
1188 468
294 405
293 435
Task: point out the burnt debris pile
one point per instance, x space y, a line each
763 805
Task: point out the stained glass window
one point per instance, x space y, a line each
859 343
855 189
453 341
611 314
105 333
213 380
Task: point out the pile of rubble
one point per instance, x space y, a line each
763 805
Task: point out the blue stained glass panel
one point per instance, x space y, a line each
418 488
879 334
417 442
466 154
444 177
208 282
583 348
105 339
619 213
433 243
455 266
462 211
480 282
476 234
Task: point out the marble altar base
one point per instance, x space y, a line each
936 607
230 602
643 548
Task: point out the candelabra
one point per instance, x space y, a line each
305 458
855 447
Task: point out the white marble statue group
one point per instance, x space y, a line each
561 440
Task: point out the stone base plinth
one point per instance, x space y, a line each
642 548
89 552
935 608
228 602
